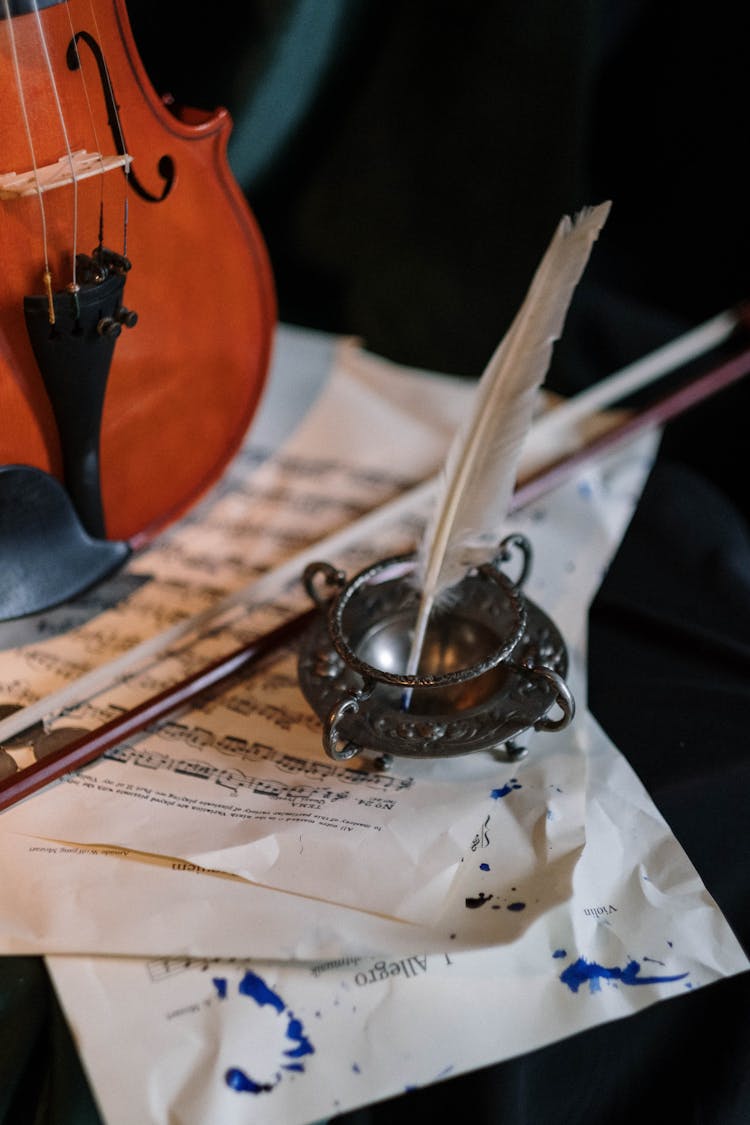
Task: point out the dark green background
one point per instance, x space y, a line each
407 164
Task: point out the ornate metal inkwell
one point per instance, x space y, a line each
492 663
492 667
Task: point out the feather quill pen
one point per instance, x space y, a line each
479 474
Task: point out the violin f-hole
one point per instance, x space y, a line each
165 165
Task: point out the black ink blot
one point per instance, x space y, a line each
474 903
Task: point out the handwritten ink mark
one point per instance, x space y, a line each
482 839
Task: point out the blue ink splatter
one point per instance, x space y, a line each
355 1068
258 991
582 972
496 794
484 866
236 1079
295 1033
585 490
516 906
256 988
559 953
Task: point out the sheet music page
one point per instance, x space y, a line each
289 926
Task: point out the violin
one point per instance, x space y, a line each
137 304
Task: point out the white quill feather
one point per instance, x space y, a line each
479 475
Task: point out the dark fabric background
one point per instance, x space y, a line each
407 164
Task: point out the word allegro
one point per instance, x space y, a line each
382 970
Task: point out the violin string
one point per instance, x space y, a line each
32 154
92 122
66 138
121 136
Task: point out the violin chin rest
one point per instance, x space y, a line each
46 556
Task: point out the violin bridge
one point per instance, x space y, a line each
79 165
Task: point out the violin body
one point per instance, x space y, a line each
195 318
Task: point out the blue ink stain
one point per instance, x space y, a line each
304 1046
585 490
496 794
582 971
559 953
257 990
484 866
355 1068
238 1080
516 906
253 986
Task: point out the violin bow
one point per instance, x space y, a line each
91 745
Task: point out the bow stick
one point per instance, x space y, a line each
94 743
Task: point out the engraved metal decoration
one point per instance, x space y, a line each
493 663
